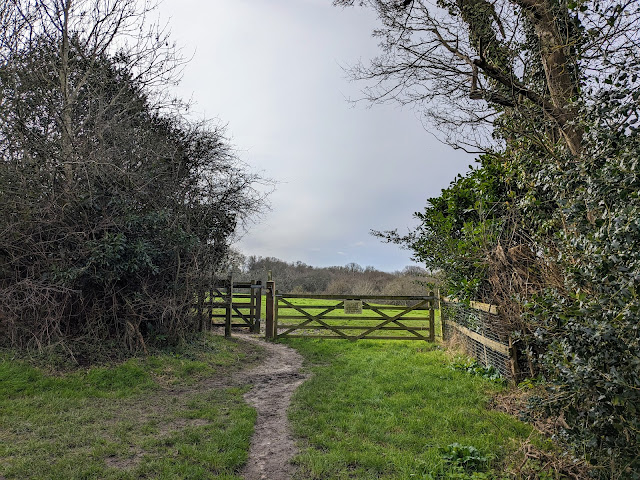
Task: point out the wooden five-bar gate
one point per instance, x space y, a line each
349 317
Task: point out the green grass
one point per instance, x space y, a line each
390 409
144 418
373 410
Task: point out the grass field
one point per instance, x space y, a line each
149 417
395 410
373 409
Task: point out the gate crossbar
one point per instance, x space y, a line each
312 318
245 317
395 319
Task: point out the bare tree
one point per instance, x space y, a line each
84 32
466 62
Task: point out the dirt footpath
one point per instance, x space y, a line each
273 383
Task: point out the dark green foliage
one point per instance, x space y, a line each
473 367
106 229
590 328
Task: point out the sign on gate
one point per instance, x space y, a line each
353 307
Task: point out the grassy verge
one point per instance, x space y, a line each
163 416
395 410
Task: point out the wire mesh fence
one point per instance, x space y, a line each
471 325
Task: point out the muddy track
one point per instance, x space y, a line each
273 383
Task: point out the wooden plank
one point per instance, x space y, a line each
252 306
485 307
216 304
379 307
258 312
432 318
275 316
390 319
492 344
232 324
270 309
350 327
224 304
353 338
413 331
353 319
215 292
239 314
353 297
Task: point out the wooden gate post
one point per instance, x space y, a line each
252 307
443 317
258 311
432 317
229 307
270 313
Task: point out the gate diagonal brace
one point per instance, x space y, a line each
397 322
217 293
393 319
242 315
312 318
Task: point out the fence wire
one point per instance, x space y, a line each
479 322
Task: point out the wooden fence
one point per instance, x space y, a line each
349 317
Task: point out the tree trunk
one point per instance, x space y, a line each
562 88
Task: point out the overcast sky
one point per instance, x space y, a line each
273 71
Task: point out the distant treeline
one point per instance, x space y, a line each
298 277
